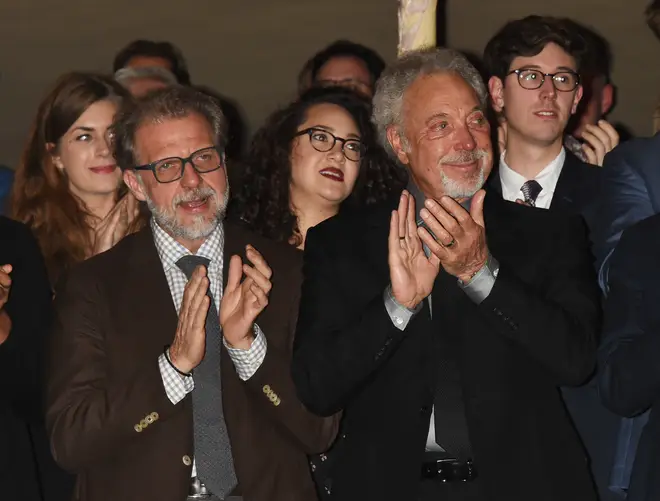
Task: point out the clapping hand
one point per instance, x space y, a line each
5 287
460 243
116 224
189 345
243 301
5 284
412 274
599 140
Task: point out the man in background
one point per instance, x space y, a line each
343 63
141 53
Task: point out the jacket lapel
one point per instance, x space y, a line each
494 183
568 179
146 284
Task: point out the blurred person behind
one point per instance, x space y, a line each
343 63
589 135
142 80
141 53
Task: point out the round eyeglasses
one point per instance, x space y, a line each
324 141
563 81
171 169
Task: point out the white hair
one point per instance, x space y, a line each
124 76
399 76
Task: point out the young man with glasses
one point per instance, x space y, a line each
535 87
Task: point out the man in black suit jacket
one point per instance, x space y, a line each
446 352
630 373
535 85
27 469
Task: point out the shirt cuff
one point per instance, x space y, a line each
399 314
247 362
479 286
176 385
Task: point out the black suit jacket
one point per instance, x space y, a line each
629 379
534 332
27 470
578 193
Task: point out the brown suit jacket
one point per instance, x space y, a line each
108 416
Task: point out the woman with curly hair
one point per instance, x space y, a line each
67 188
312 158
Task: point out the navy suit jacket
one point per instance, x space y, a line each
630 192
629 378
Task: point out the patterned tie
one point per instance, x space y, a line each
213 459
530 191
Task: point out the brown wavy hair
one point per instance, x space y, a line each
40 194
262 201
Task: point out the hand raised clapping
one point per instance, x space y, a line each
243 301
412 273
116 224
460 243
599 139
5 284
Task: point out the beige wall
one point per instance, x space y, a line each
636 51
250 50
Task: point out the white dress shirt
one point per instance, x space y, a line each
246 362
512 181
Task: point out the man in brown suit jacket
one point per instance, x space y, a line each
128 415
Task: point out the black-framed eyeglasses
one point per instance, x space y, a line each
171 169
563 81
324 141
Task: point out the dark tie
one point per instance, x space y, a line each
213 459
530 191
451 432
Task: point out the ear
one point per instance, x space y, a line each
397 142
496 91
51 148
130 178
607 99
576 99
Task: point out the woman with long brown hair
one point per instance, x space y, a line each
68 189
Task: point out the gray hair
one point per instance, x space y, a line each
125 75
170 103
399 76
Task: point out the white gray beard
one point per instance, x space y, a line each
462 189
200 228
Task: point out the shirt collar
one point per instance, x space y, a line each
547 178
170 251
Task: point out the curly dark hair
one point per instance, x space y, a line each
262 202
528 37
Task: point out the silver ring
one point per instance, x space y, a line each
453 241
